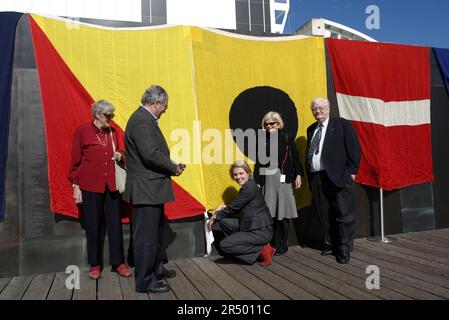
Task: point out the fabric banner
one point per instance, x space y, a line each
384 89
8 24
204 72
443 60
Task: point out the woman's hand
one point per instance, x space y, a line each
211 222
117 156
298 182
77 196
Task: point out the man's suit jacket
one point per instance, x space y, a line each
148 162
341 150
250 204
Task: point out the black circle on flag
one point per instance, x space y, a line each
250 106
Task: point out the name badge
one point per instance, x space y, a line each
282 178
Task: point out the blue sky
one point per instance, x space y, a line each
415 22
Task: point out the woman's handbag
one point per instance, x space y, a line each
120 173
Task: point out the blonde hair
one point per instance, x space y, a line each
275 116
240 164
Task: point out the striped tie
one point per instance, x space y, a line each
314 145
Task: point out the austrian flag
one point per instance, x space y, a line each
384 89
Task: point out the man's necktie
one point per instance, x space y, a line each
314 145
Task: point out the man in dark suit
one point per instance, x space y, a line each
148 187
332 161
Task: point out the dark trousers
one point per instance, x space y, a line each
336 210
148 234
280 236
101 211
243 245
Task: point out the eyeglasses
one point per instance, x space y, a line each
314 109
270 123
109 115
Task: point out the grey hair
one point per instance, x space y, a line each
240 164
272 115
102 106
154 94
320 102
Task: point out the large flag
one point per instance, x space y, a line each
208 76
8 23
443 60
384 89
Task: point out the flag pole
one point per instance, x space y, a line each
382 237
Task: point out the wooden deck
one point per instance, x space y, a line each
415 267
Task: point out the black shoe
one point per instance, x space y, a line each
326 252
159 287
343 257
167 274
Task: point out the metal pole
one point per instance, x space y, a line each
382 238
382 234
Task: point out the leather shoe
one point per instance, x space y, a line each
167 274
159 287
326 252
343 257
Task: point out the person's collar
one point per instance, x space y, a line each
155 117
325 123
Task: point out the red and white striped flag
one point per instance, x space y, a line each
384 89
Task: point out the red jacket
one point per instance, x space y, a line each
92 167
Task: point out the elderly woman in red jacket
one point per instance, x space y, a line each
92 174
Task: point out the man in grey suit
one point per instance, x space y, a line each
148 187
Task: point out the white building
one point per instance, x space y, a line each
328 29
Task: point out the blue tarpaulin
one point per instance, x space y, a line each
8 23
443 59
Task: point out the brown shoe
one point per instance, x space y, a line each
95 272
123 270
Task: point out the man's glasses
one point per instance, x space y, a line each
270 124
314 109
109 115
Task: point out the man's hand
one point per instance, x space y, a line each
180 169
298 182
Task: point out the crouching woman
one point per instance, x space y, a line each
249 236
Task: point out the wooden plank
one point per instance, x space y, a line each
389 288
108 286
326 277
411 287
439 264
183 289
162 296
422 247
413 274
39 287
16 288
285 267
232 287
430 239
3 283
420 240
205 285
88 288
129 290
58 290
253 283
279 283
403 260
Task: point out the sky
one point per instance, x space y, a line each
414 22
